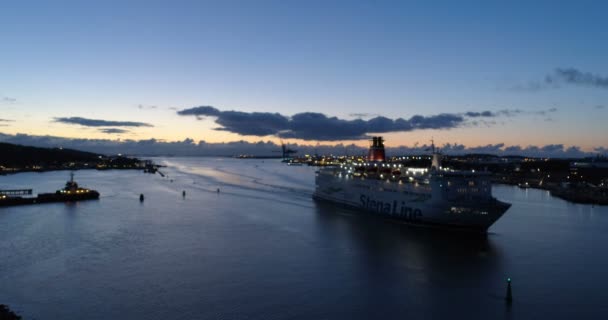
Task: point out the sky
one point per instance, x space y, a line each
524 74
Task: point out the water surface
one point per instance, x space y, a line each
262 249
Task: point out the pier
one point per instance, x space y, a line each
16 192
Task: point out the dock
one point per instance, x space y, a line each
16 192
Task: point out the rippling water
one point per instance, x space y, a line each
262 249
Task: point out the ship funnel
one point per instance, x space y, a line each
376 150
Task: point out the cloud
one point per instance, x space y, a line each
113 130
490 148
8 100
189 147
552 148
6 120
255 123
144 107
600 107
544 112
577 77
602 150
530 86
363 115
508 113
200 111
101 123
473 114
500 149
320 127
317 126
565 76
516 112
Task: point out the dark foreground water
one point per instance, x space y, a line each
262 249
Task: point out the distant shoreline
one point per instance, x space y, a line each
17 159
6 173
573 195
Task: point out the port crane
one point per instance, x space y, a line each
286 151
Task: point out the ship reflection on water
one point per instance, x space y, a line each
415 270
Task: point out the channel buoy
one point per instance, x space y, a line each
218 190
141 197
509 296
184 194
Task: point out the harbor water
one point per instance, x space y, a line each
248 242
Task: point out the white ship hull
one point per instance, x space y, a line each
430 204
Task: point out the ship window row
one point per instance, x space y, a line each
471 183
458 210
471 190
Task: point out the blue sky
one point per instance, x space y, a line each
144 61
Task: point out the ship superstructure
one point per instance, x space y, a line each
72 188
431 196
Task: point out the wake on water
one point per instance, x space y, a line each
271 181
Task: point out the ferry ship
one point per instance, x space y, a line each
434 196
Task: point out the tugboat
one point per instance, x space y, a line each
71 192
